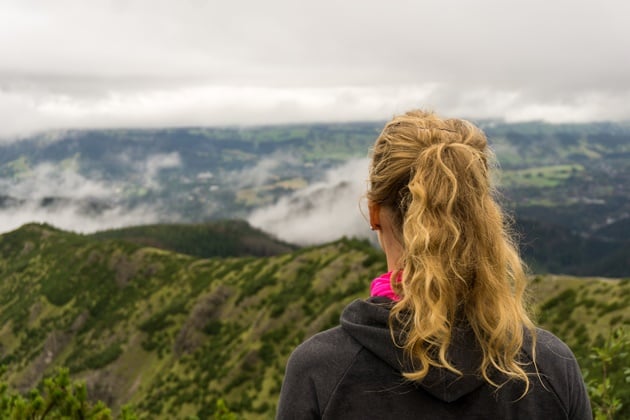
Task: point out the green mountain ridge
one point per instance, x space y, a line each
231 238
172 333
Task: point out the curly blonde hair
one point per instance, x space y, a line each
460 265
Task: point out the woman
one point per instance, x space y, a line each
445 334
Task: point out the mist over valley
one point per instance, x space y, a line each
567 186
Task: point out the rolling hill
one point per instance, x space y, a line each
234 238
172 333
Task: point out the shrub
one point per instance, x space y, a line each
60 398
103 358
608 385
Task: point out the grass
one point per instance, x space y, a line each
539 177
263 194
601 304
19 167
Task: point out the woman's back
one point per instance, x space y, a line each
354 372
449 335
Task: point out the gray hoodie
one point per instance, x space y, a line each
353 371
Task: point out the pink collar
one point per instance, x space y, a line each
382 286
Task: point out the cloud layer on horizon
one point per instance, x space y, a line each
142 63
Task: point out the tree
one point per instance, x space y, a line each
60 398
222 412
609 390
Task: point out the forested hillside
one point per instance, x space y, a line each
171 334
233 238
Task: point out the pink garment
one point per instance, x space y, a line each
382 286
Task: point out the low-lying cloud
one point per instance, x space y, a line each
210 105
49 180
63 197
72 217
323 211
261 172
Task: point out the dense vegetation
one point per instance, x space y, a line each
212 239
176 336
166 332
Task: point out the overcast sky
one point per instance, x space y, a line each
147 63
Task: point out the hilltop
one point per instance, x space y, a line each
233 238
172 333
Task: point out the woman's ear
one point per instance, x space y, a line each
375 215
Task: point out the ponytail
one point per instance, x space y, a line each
460 267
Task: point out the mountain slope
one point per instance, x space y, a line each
552 248
233 238
171 333
168 332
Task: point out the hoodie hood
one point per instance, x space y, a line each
367 321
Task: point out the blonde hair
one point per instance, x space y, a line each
459 265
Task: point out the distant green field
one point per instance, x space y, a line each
540 176
15 168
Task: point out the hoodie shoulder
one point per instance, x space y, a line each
328 349
313 371
559 369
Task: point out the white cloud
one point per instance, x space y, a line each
71 218
211 105
114 63
260 173
323 211
152 166
63 197
48 180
